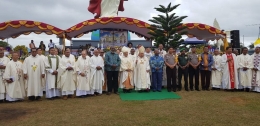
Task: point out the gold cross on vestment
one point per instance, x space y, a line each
34 67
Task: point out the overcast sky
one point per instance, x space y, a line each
231 14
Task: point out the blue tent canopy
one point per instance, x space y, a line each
194 42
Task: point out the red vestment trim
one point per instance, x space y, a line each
231 71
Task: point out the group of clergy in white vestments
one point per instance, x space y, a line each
65 77
241 72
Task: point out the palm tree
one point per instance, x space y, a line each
251 46
167 29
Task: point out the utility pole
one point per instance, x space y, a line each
259 32
243 40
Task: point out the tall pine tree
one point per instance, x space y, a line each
167 27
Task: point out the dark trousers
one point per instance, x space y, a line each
205 79
183 72
171 78
194 72
112 81
157 81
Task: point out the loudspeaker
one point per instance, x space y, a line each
235 38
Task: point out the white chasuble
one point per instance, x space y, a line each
216 75
126 63
229 78
67 78
141 76
15 90
96 76
3 62
82 66
43 79
133 58
34 68
245 77
51 65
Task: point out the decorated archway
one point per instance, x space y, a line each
120 23
16 28
201 31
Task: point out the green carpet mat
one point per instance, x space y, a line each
136 96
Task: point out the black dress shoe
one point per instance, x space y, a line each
186 89
197 89
174 90
191 89
38 98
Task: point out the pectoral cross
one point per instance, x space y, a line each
142 62
34 67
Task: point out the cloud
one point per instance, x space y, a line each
231 14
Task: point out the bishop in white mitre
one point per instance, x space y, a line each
245 65
141 72
3 62
230 73
96 73
13 75
51 65
34 71
216 73
66 75
83 71
126 71
39 52
256 70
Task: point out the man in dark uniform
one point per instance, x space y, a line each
183 63
194 61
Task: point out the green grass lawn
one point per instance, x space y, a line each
207 108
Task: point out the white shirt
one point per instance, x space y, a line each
51 44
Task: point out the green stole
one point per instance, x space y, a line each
57 65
